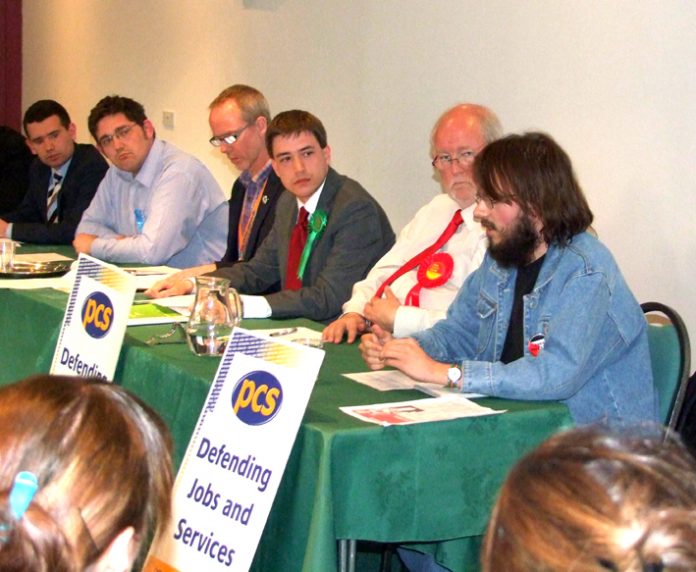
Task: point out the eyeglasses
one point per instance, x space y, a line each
228 139
444 160
119 133
488 202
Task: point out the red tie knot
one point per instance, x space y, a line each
303 217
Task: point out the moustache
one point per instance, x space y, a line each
485 223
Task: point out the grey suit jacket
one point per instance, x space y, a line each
357 234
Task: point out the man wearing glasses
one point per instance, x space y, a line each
548 315
239 117
328 231
62 179
412 286
156 204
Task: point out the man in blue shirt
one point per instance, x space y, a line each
548 314
156 204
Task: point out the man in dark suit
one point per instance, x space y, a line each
15 160
62 179
239 117
345 230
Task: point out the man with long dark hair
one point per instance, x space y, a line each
548 315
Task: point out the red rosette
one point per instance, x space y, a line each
432 272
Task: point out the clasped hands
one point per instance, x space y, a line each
381 349
379 311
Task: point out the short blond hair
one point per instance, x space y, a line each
252 103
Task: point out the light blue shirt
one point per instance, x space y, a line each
595 356
182 211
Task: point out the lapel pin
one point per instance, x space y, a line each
536 344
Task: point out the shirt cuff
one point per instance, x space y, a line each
255 306
409 320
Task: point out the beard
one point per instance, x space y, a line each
517 242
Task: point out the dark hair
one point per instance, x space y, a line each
533 171
251 102
102 458
42 110
111 105
594 499
294 122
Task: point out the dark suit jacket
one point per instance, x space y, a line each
15 159
263 221
86 171
357 234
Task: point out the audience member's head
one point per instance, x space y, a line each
122 131
593 500
458 135
102 461
238 118
50 133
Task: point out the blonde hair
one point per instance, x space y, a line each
103 462
252 103
593 500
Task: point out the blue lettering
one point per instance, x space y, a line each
203 448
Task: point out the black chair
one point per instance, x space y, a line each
670 356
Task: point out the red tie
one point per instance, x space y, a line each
418 258
298 238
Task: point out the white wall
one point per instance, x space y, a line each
613 81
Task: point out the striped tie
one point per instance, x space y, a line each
52 198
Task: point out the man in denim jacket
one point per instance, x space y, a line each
548 314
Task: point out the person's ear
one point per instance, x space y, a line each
149 129
120 554
261 124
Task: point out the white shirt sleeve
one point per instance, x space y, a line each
255 306
467 248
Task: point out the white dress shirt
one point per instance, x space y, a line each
467 248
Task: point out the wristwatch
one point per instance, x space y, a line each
454 375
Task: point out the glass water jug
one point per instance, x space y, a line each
217 309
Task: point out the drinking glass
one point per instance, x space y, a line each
7 247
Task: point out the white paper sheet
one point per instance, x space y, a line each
393 379
418 411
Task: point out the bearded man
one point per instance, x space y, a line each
548 315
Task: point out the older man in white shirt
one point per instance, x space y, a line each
411 286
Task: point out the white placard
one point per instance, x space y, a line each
237 454
95 320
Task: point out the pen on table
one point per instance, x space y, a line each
144 272
283 332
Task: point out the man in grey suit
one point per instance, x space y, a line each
347 231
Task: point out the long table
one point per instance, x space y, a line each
432 483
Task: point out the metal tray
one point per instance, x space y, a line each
21 269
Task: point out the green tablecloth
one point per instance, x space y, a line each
433 482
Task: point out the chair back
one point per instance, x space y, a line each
670 356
